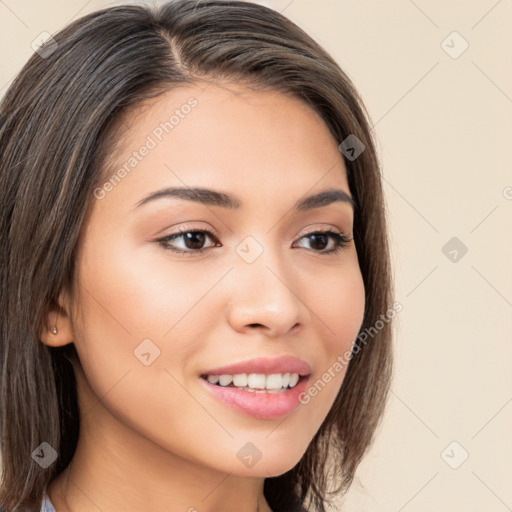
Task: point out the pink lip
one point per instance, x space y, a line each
284 364
260 405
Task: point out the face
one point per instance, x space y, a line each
174 286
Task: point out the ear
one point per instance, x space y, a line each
57 329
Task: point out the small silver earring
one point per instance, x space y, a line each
55 330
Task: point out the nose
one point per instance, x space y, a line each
263 298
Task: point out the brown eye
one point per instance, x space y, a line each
192 241
319 240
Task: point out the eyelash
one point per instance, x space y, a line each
340 240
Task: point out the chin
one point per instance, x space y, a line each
271 466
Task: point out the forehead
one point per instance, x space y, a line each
251 140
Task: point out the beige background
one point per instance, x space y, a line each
445 131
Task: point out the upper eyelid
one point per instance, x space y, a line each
182 230
215 237
212 232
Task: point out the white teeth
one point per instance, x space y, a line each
274 381
240 380
256 380
225 380
294 378
212 379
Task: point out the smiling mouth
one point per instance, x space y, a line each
257 382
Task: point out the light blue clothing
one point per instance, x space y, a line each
47 505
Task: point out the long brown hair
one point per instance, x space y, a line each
58 122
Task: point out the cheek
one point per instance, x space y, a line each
132 303
340 312
126 308
143 295
341 307
119 308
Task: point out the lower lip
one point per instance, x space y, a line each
259 404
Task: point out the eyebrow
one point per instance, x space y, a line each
212 197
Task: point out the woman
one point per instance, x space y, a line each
193 250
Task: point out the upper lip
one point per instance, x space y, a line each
283 364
